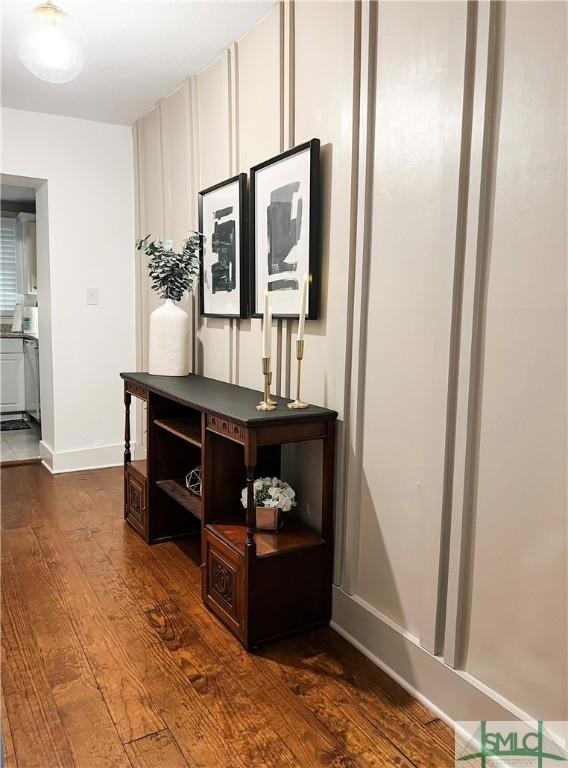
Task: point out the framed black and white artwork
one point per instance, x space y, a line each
284 231
223 281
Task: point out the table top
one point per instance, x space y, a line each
223 399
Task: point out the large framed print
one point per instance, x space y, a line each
284 231
223 279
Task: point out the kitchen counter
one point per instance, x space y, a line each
18 335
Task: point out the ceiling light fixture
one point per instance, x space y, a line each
53 47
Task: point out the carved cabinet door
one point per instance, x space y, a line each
135 501
224 584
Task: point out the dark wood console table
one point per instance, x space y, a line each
261 585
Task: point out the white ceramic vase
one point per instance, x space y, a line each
168 353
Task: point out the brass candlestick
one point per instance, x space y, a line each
299 355
265 404
270 400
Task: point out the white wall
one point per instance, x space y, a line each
441 341
89 192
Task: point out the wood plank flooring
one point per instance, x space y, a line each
110 659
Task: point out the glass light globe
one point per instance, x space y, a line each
53 47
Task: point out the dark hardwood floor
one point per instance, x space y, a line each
109 657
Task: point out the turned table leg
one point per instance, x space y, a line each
127 400
251 507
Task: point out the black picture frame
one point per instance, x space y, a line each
314 260
243 260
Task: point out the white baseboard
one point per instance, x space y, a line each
98 457
46 455
451 694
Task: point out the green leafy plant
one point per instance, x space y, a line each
171 273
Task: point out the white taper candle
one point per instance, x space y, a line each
267 326
303 297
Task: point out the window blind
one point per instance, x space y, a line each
8 279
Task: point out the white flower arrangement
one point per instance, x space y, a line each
271 492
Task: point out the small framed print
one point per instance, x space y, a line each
284 231
223 282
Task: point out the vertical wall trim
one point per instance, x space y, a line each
143 297
464 492
285 329
191 87
431 636
235 168
343 458
140 306
233 162
164 172
277 384
283 49
166 175
228 56
228 59
284 111
198 366
189 166
358 296
288 358
292 75
231 348
190 213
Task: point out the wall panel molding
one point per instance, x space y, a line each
434 602
192 106
477 248
287 43
165 140
285 327
234 323
288 74
178 188
192 205
231 64
214 158
259 94
365 75
150 220
140 304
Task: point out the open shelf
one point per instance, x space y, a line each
294 535
140 466
187 430
176 490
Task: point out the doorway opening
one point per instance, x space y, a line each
20 400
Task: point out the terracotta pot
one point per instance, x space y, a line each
268 518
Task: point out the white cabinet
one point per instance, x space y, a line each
12 381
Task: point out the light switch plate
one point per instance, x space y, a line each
92 296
